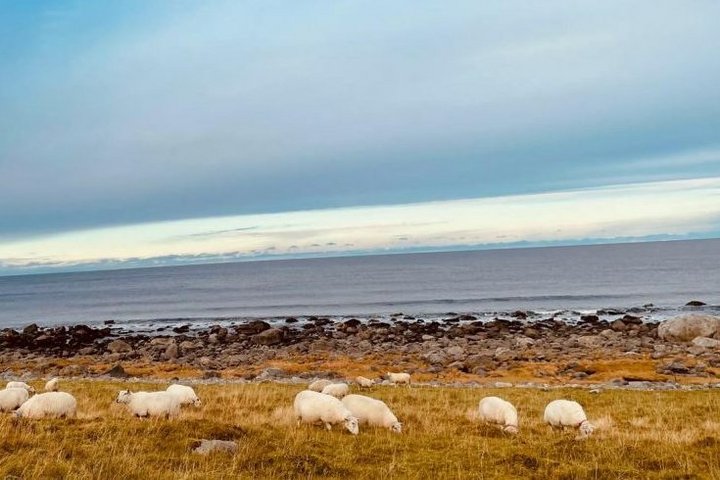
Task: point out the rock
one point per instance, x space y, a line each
172 351
31 329
695 303
632 320
456 352
161 341
119 346
589 341
181 329
272 336
117 372
589 318
706 342
618 326
208 446
685 328
427 338
523 342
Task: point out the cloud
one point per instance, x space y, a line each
657 210
146 112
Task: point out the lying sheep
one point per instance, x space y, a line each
372 412
399 378
150 404
24 385
312 407
184 394
337 390
318 385
500 412
52 385
566 413
364 382
12 398
49 404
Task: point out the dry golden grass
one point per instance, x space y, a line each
639 435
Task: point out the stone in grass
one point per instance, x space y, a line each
117 372
204 446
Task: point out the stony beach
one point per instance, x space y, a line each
615 347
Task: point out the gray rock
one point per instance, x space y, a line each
685 328
209 446
172 351
272 336
706 342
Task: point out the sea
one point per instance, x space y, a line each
654 280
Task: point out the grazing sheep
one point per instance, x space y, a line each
566 413
500 412
372 412
364 382
312 407
318 385
184 394
399 378
150 404
24 385
12 398
52 385
337 390
49 404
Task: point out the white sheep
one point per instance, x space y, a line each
49 404
372 412
399 378
52 385
313 407
497 411
364 382
24 385
318 385
337 390
12 398
150 404
184 394
566 413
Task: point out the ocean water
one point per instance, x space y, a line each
487 283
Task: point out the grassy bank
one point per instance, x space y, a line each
639 435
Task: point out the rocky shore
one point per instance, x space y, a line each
626 348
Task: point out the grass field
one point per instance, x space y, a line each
639 435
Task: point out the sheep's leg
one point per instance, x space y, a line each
328 426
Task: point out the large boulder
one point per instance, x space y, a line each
119 346
272 336
685 328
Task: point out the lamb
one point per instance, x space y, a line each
337 390
49 404
364 382
500 412
312 407
566 413
318 385
12 398
399 378
372 412
52 385
184 394
150 404
24 385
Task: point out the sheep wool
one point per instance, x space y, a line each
373 412
500 412
313 407
52 385
150 404
318 385
337 390
12 398
399 378
24 385
364 382
184 394
566 413
49 405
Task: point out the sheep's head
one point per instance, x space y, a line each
123 396
511 429
396 427
197 402
351 424
31 389
586 429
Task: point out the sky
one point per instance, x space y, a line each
152 132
